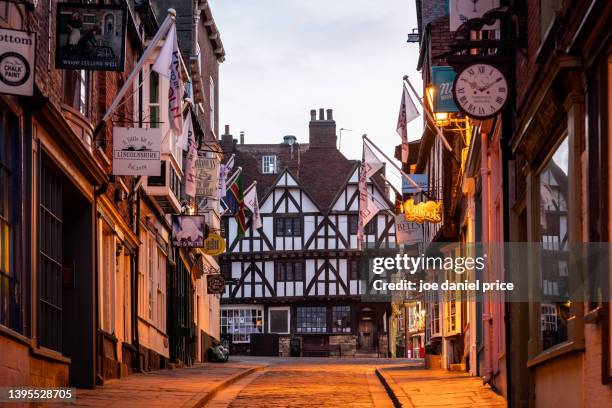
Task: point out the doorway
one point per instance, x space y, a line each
366 335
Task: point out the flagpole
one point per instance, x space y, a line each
365 137
233 177
253 185
163 30
428 114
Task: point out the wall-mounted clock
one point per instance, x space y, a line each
481 90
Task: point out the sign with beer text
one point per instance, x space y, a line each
207 176
90 36
136 151
430 211
442 78
17 59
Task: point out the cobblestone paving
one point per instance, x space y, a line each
314 383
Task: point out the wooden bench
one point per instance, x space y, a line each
321 350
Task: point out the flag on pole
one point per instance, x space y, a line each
168 65
238 193
252 204
407 113
370 164
224 170
187 131
190 165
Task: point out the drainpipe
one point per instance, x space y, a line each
135 222
486 316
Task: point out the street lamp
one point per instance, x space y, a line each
340 139
413 37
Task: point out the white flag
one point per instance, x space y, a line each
250 200
408 112
190 167
167 64
187 131
370 164
224 171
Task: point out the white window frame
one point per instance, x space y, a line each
244 307
271 166
277 308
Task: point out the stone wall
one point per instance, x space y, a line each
383 345
347 343
283 346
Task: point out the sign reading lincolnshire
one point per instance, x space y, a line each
17 59
90 36
136 151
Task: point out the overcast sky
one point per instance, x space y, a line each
285 57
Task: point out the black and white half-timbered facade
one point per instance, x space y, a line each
294 285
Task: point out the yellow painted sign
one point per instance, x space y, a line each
214 245
430 211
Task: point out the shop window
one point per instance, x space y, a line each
288 226
554 185
341 318
50 259
311 320
279 319
10 282
241 323
289 271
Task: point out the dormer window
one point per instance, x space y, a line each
268 165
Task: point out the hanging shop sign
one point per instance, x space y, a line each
481 90
409 188
136 151
90 37
214 245
188 231
407 232
430 211
17 59
442 78
215 284
207 175
463 10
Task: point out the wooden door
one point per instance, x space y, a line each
366 335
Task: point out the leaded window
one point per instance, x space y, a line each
311 319
288 226
289 271
241 323
341 319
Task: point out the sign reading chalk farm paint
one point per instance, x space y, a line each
17 59
430 211
136 151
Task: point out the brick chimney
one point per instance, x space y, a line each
227 141
322 130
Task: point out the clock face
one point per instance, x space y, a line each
481 91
